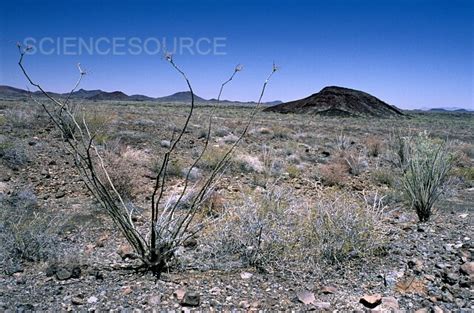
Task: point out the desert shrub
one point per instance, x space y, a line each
282 133
221 132
398 150
293 171
357 164
374 147
428 166
342 227
466 174
251 232
26 233
13 155
174 169
342 143
333 174
211 158
122 174
274 231
20 117
383 176
97 123
468 150
245 163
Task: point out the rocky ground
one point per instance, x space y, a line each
425 267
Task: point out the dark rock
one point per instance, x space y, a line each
66 272
12 268
63 274
416 265
191 299
371 301
60 194
77 301
450 278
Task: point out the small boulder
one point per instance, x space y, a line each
306 297
467 268
165 143
371 301
191 299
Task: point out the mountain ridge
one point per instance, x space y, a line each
100 95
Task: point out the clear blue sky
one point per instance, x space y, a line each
410 53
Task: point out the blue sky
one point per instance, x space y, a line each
411 54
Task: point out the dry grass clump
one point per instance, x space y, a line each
26 233
357 163
13 155
98 123
334 173
21 118
212 157
274 231
126 165
383 176
374 147
245 163
343 226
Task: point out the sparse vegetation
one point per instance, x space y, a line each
278 232
26 232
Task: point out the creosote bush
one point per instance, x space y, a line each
428 165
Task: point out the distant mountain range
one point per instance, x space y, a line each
450 109
8 92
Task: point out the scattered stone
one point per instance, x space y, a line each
390 303
13 268
322 305
244 304
92 299
126 252
191 299
329 290
450 278
416 265
437 309
246 275
165 143
3 187
126 290
306 297
371 301
179 293
467 268
442 265
77 301
63 274
154 300
60 194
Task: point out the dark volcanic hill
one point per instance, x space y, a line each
182 96
114 95
338 101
